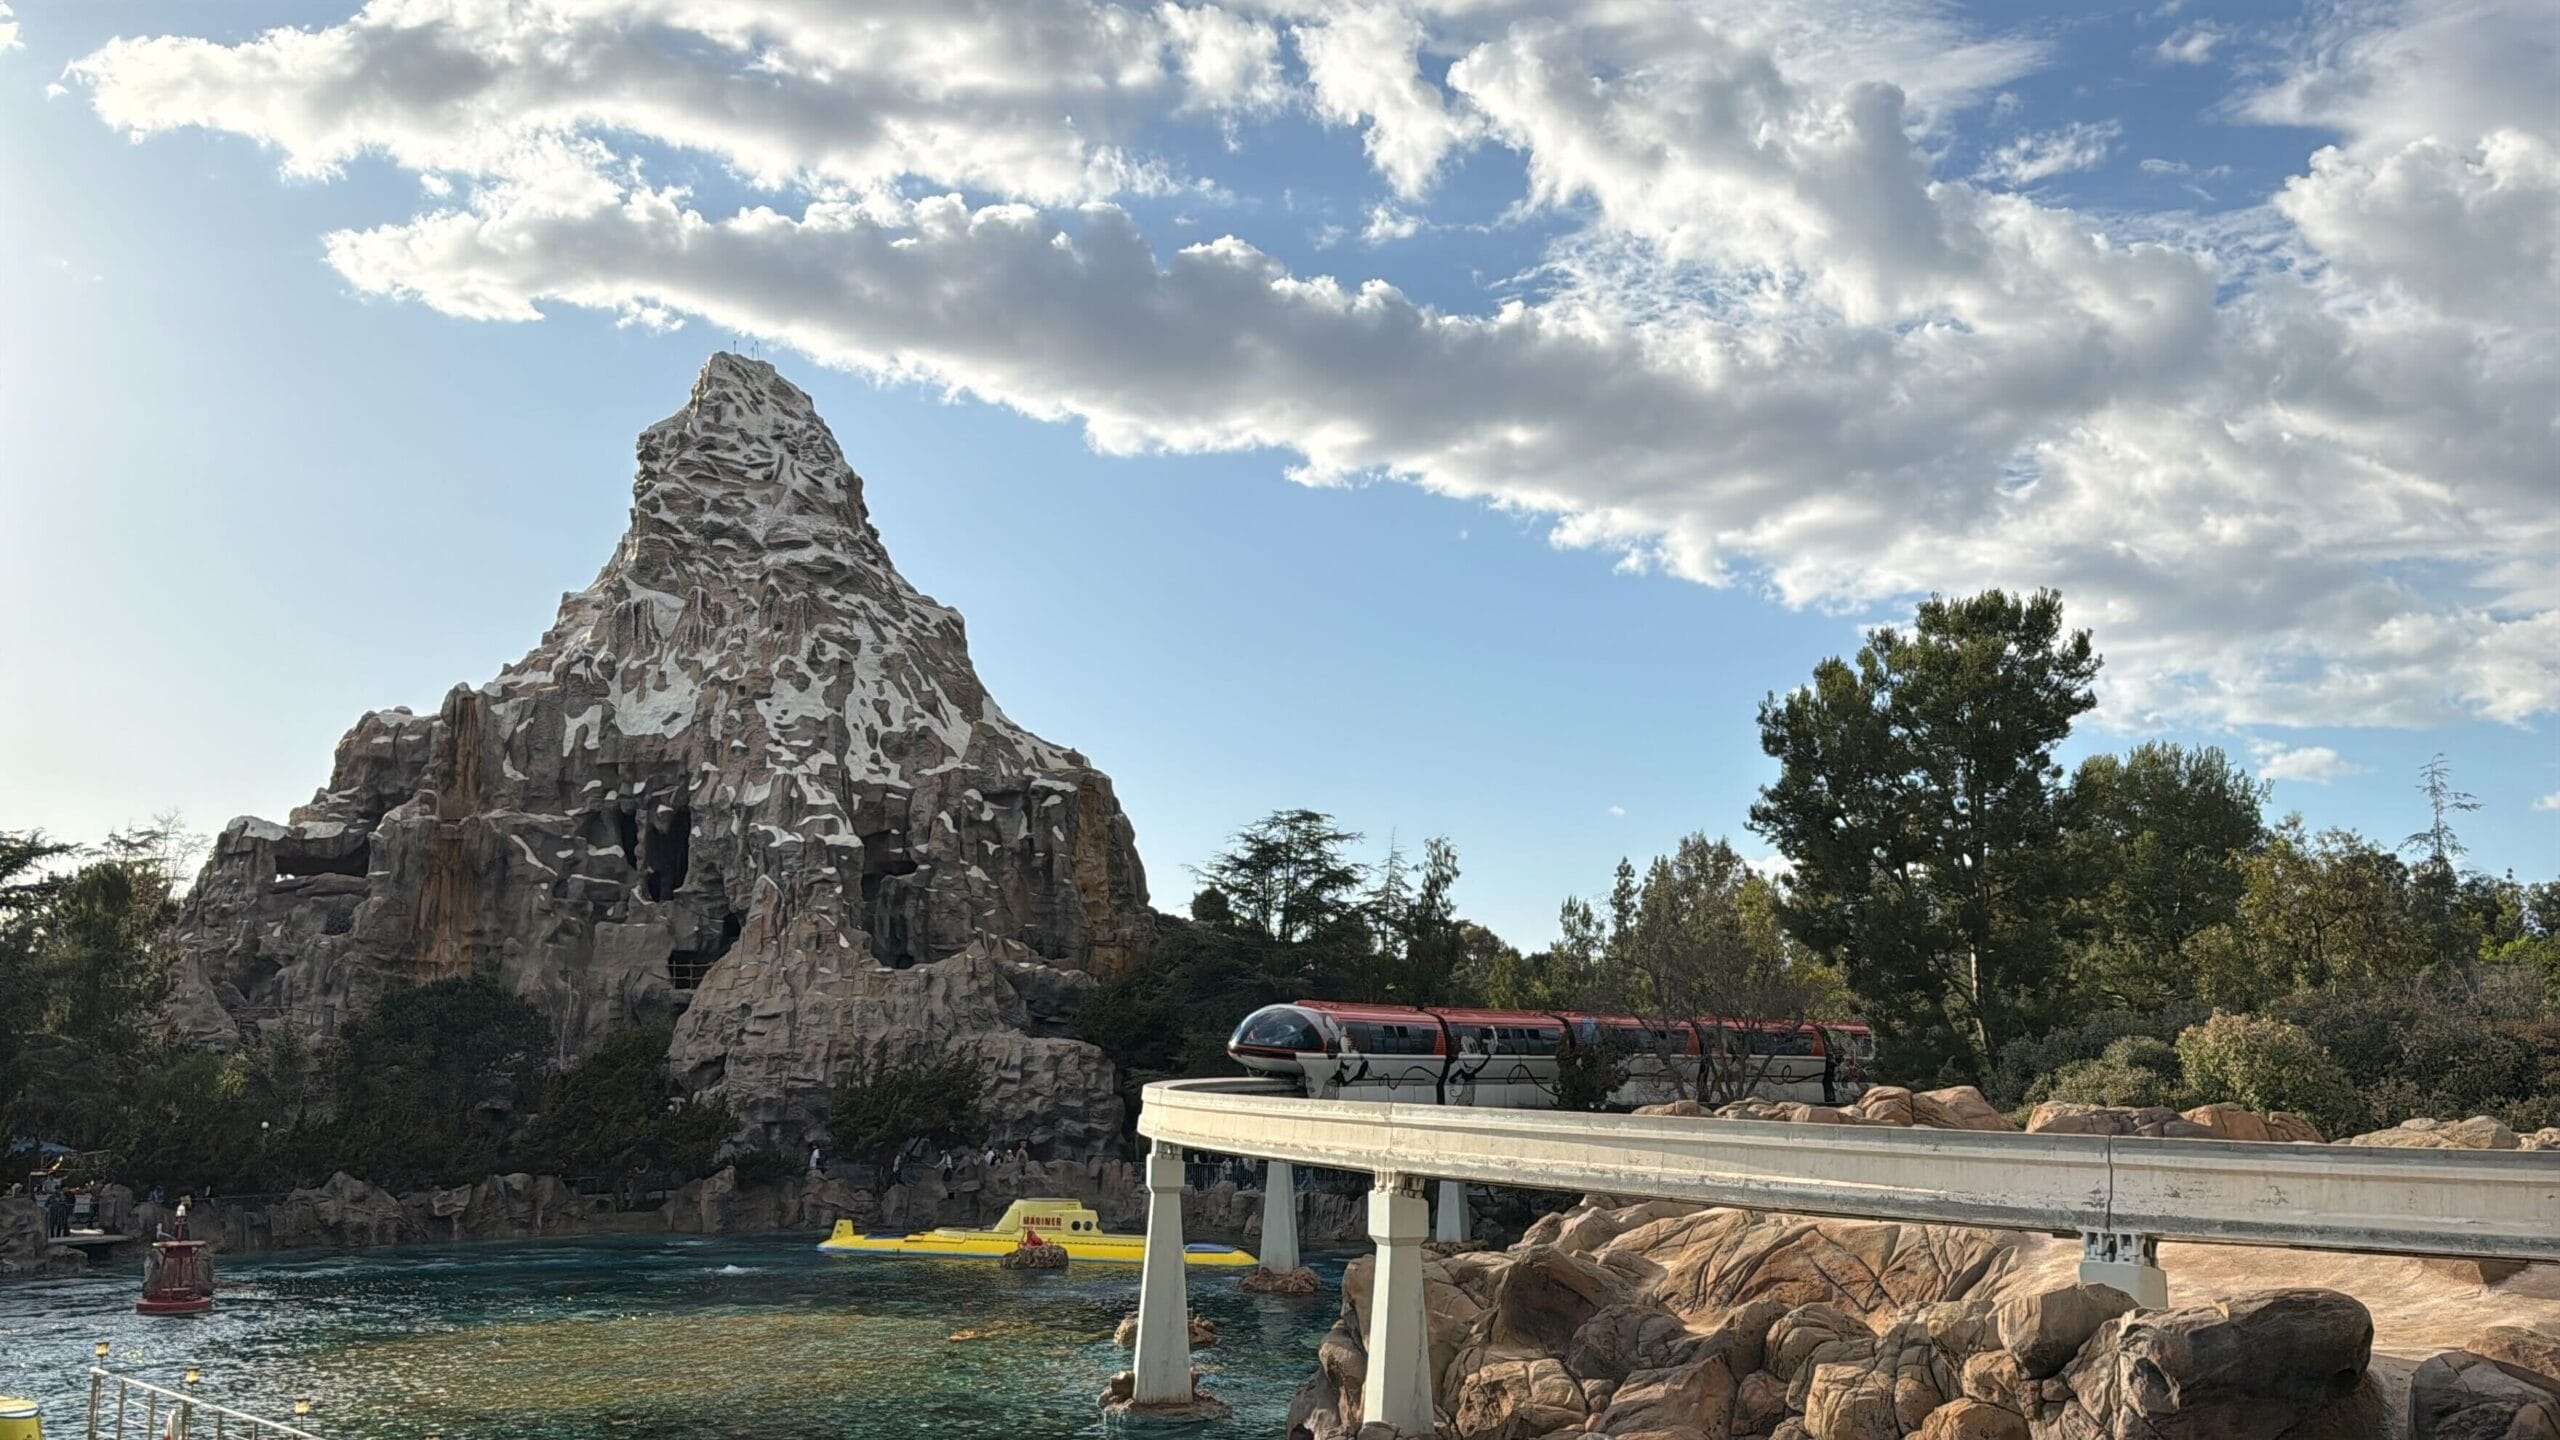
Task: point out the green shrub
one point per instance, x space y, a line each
2029 1069
884 1100
2268 1064
2136 1070
618 1110
2427 1050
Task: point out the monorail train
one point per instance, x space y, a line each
1508 1057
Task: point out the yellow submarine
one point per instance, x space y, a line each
1057 1222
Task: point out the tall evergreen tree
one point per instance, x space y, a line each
1918 801
2159 836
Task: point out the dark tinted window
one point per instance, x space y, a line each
1279 1029
1375 1039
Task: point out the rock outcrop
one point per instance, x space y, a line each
1664 1322
748 778
2480 1132
26 1245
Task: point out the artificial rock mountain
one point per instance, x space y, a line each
749 778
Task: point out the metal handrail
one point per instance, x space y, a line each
182 1412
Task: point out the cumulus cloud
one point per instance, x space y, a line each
2303 479
2041 156
8 31
1018 100
2307 764
2191 46
2548 802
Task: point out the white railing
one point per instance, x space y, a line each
2465 1203
123 1408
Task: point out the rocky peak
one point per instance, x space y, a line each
749 776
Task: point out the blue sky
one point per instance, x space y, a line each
1709 336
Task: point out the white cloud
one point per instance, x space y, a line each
1014 100
8 31
2191 46
1364 62
1387 224
1620 811
2294 469
2041 156
2307 764
2548 802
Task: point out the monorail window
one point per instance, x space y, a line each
1781 1042
1280 1028
1376 1039
1528 1040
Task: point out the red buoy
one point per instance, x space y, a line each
178 1278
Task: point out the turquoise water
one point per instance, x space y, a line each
757 1339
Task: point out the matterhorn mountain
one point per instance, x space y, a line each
749 778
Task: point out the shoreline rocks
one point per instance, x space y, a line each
1670 1322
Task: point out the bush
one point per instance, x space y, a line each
761 1165
2424 1050
883 1101
2136 1070
618 1110
2268 1064
426 1087
2028 1069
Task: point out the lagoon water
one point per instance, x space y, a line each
757 1339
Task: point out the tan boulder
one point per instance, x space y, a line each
1995 1378
1262 1281
2157 1122
2461 1396
1885 1105
2530 1354
1797 1335
2044 1331
1518 1400
1865 1267
1685 1109
1545 1295
2226 1121
2546 1138
2287 1363
1971 1420
1585 1231
1622 1339
1759 1403
1697 1398
2477 1133
1850 1402
1958 1107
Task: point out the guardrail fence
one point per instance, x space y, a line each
123 1408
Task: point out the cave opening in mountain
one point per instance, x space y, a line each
299 860
626 833
668 851
685 968
891 944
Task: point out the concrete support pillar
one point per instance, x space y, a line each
2127 1260
1279 1217
1449 1220
1397 1388
1163 1362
